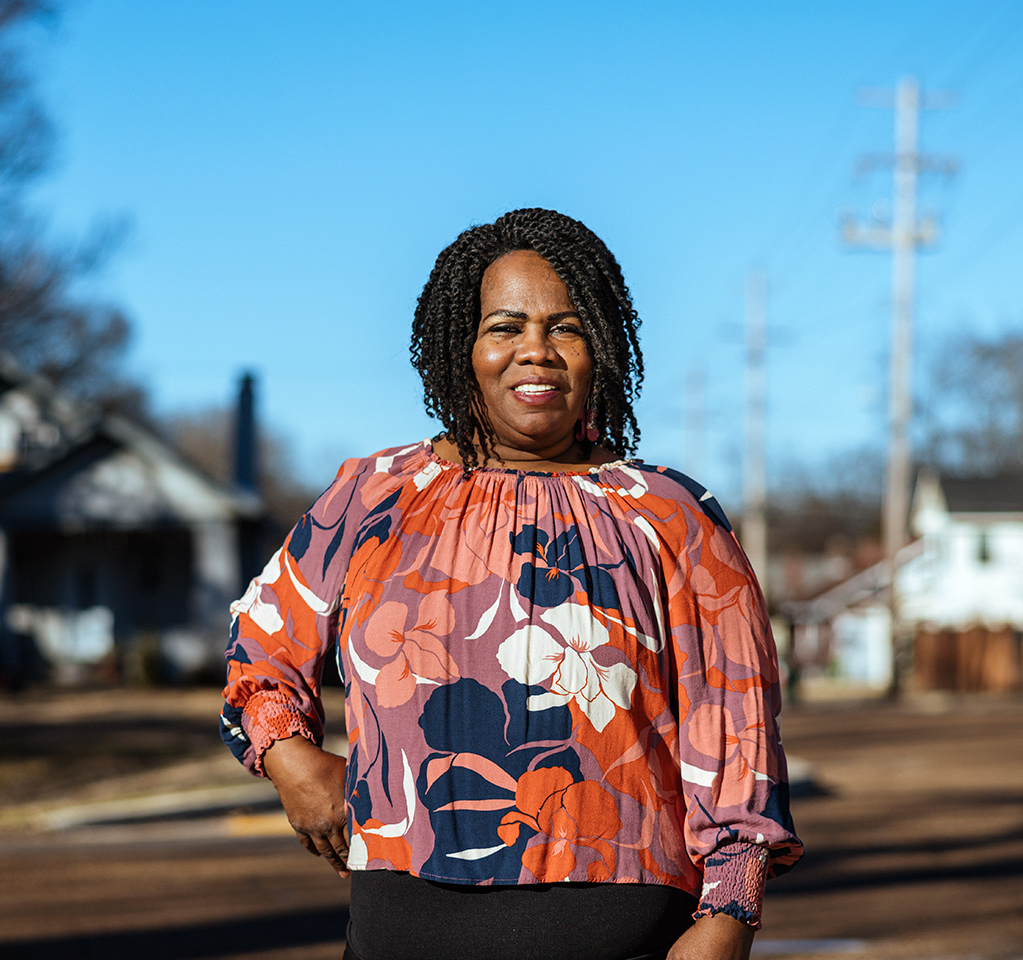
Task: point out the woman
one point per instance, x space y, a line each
561 687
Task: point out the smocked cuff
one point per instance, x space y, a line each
270 716
733 882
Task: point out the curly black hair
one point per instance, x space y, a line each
448 315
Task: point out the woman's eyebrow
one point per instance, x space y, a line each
518 315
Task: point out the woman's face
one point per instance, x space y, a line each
530 359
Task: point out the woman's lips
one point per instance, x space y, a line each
535 392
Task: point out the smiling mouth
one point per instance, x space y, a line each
536 389
536 394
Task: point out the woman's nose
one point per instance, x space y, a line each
535 347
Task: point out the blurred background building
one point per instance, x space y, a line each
958 586
118 557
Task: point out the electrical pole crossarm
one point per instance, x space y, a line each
857 235
882 237
887 98
935 163
923 162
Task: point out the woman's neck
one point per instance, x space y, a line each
509 458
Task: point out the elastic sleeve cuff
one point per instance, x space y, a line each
270 716
733 882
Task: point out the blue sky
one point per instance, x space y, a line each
291 170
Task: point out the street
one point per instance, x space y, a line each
128 832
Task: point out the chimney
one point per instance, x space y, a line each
246 461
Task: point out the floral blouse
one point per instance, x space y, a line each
548 676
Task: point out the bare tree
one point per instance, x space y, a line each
26 136
974 411
206 437
77 343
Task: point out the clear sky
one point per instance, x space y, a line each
291 170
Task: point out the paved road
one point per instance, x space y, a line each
914 828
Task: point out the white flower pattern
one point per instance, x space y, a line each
533 656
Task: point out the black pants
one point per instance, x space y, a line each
395 916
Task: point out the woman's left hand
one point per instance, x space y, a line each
717 937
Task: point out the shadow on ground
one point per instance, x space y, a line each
211 940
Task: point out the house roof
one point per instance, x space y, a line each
1002 493
104 468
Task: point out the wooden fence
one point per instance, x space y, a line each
974 659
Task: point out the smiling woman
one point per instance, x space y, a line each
561 687
537 304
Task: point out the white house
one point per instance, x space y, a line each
970 571
959 589
109 540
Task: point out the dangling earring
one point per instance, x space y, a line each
586 426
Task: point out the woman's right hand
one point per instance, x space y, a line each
311 785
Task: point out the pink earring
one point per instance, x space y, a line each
586 427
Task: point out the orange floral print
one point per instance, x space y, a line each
571 814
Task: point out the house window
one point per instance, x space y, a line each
983 547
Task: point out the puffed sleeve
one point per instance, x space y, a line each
737 827
286 623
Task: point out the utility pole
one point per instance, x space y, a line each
754 520
903 236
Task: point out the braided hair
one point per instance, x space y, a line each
448 315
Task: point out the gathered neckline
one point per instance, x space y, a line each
435 457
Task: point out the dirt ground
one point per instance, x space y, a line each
127 831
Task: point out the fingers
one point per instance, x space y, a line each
340 845
330 845
334 853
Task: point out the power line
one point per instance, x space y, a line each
980 53
1009 219
839 133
